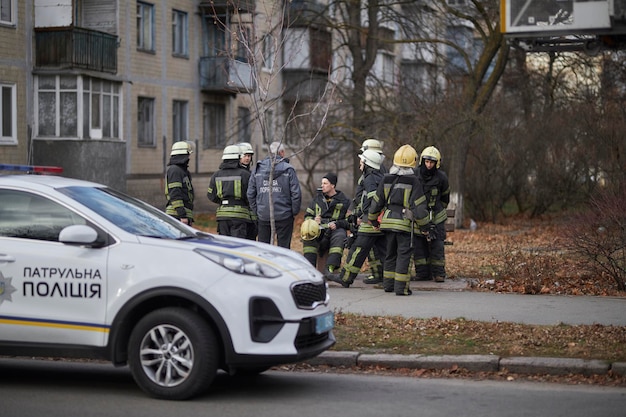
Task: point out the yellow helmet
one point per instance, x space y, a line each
372 144
181 148
405 156
309 230
431 153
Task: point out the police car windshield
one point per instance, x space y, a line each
131 215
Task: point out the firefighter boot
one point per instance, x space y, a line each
388 284
402 287
344 278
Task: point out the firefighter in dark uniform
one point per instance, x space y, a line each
328 209
367 237
375 257
399 203
228 187
430 261
178 188
247 153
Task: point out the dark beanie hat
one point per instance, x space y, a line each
332 178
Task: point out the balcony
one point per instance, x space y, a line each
232 6
304 13
304 85
225 75
75 48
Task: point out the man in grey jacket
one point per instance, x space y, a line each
286 196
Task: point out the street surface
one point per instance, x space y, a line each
32 388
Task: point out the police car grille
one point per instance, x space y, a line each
310 340
307 294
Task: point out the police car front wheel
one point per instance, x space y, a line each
173 354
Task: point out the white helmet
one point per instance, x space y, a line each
231 152
181 148
371 158
372 144
246 148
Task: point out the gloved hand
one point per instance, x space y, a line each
375 223
349 241
408 214
429 231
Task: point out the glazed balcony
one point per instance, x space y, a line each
225 75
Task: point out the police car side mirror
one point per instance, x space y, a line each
78 234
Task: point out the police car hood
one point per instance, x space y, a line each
287 259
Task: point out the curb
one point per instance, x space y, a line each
475 363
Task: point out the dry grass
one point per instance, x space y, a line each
436 336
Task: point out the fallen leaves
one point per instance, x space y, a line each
523 256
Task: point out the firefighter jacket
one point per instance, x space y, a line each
330 209
359 186
371 178
396 195
286 193
437 192
178 189
228 187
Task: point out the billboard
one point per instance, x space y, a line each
545 17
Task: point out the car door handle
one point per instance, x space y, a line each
6 258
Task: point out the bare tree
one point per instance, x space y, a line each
260 35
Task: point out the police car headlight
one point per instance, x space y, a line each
244 266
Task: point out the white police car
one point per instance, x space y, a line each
88 272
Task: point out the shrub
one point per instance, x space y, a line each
598 235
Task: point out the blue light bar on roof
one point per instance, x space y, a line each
38 169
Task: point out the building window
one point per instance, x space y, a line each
179 120
7 8
145 27
244 42
72 106
179 34
269 126
215 39
8 113
268 52
213 122
464 38
243 124
145 122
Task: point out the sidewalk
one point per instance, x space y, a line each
453 299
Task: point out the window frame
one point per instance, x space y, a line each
88 99
148 140
12 138
180 120
213 125
12 10
145 10
180 31
269 52
244 124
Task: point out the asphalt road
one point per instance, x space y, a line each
33 388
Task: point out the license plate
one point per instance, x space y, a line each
324 322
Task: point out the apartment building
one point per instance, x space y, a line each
103 88
15 81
